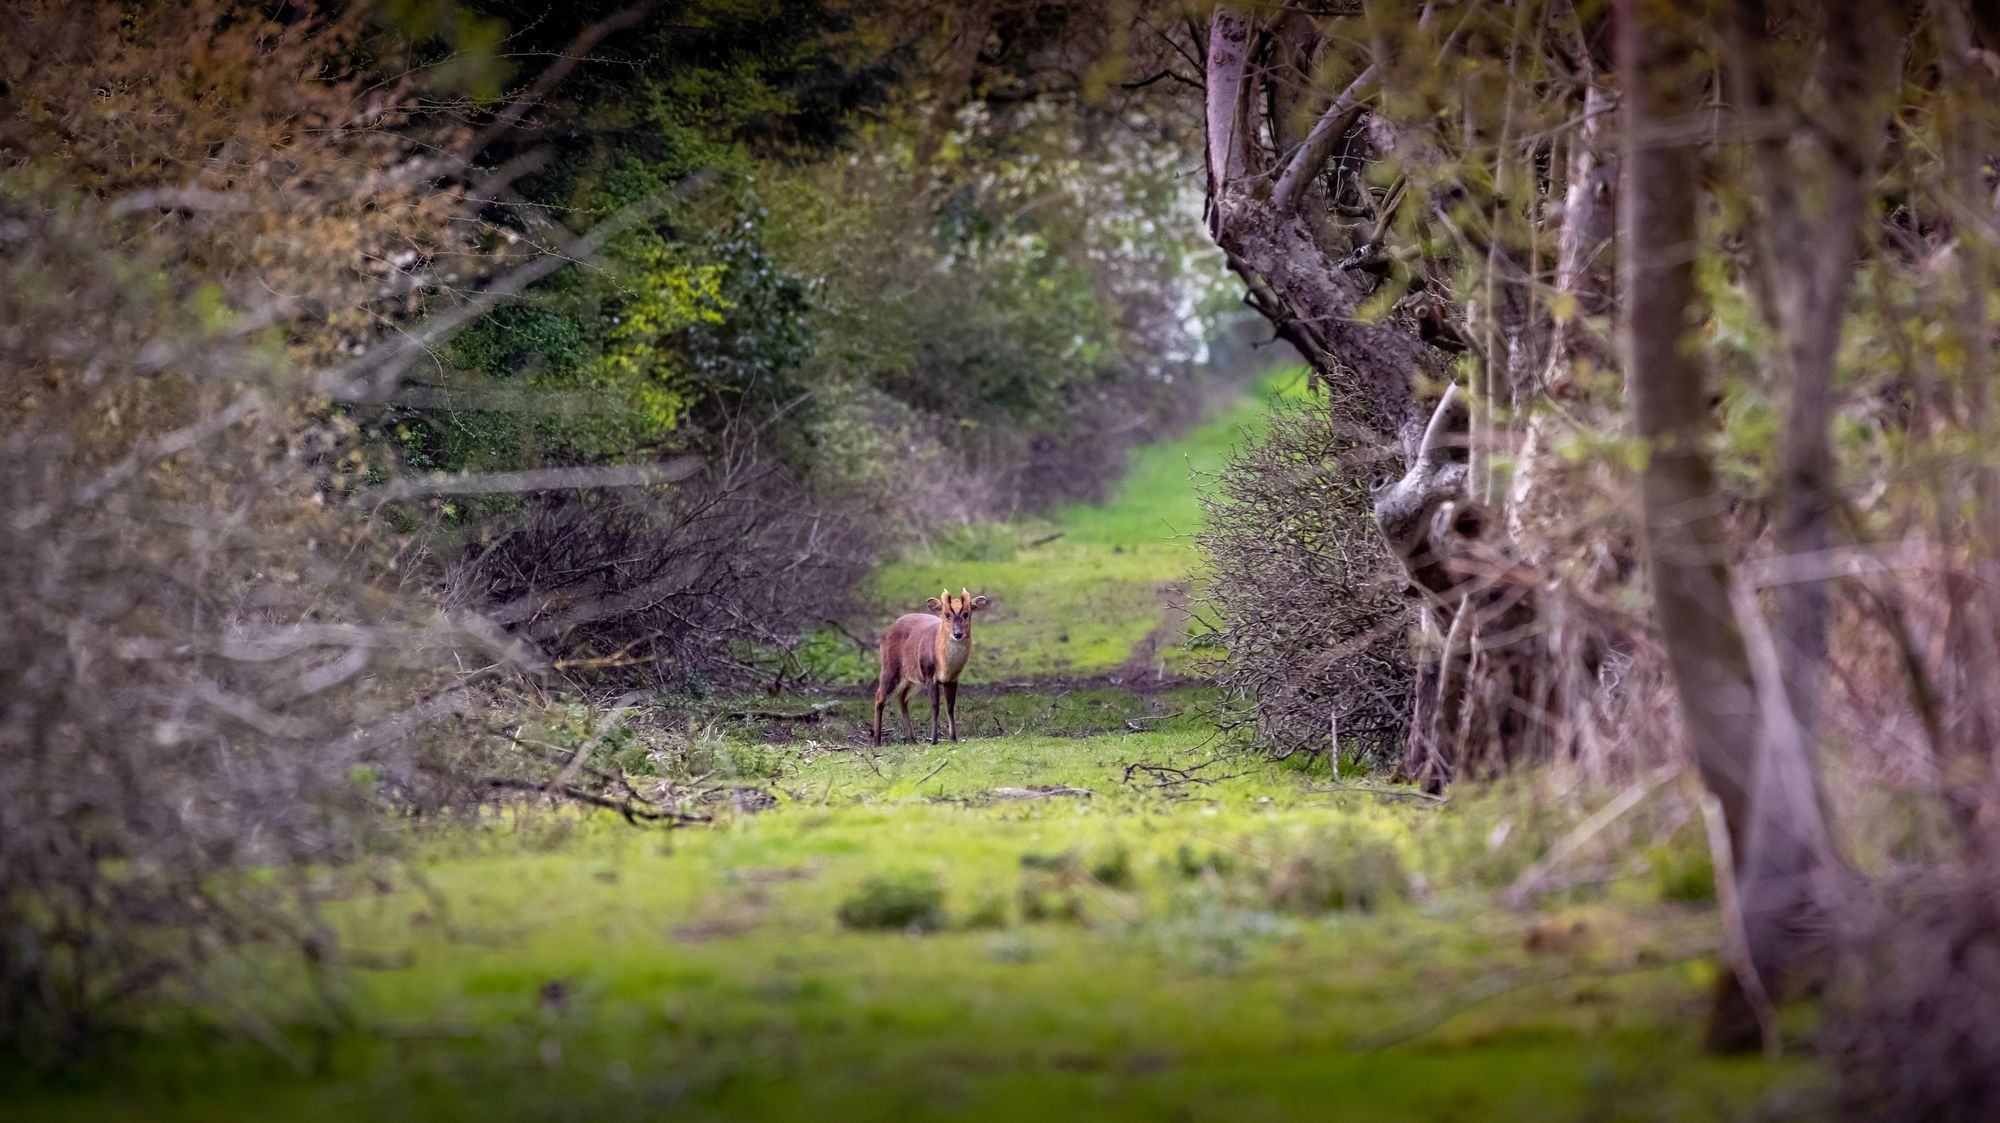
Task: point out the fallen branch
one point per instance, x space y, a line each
1489 987
932 772
1167 776
1391 793
1537 878
1045 539
1049 791
819 710
632 811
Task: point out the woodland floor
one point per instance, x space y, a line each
1133 918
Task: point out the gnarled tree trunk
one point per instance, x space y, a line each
1270 209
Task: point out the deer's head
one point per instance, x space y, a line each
956 611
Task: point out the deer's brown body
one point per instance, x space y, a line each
928 650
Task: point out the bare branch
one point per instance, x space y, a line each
538 479
1326 132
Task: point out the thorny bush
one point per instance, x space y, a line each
207 663
1316 639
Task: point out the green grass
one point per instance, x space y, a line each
1185 932
1155 502
1079 604
1131 953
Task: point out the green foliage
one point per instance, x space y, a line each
907 901
1683 872
1032 304
685 312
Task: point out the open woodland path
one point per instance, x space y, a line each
1095 906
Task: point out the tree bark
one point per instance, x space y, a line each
1811 172
1746 746
1273 243
1269 210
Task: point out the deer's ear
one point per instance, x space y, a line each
978 603
933 604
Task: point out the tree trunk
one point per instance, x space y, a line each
1270 213
1806 243
1746 748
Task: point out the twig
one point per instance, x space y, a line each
632 812
819 710
932 772
1535 880
864 645
1168 776
1489 987
1390 793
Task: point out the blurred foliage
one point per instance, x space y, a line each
210 664
973 317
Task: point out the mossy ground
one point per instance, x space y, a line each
1177 931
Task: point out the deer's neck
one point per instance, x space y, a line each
952 654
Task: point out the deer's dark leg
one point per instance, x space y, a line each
881 700
909 730
935 688
951 707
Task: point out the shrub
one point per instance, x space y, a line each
1304 601
909 901
208 664
1111 866
695 584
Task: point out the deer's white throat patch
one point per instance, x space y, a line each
955 651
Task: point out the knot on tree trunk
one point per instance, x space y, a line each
1477 694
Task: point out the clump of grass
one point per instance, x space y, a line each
1049 887
1008 947
1042 899
1341 870
1682 873
1111 866
908 901
990 912
978 542
1194 863
1212 933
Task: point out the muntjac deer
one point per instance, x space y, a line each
927 649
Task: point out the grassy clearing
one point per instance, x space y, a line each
1092 907
1230 948
1078 605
